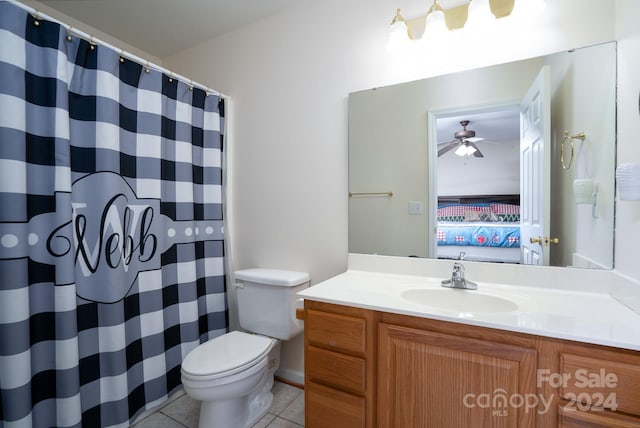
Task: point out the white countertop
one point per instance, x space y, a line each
585 316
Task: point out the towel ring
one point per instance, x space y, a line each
570 139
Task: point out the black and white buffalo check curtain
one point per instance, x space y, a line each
111 234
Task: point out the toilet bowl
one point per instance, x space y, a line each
232 375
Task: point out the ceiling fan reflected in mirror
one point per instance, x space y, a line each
464 143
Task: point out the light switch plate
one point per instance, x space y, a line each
415 207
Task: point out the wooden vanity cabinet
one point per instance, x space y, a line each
366 368
340 365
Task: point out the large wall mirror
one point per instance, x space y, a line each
513 163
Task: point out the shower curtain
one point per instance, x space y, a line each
111 233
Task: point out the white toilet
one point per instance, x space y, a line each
232 375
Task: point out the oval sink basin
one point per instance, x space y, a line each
459 300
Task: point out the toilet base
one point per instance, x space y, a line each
223 413
240 412
259 404
244 411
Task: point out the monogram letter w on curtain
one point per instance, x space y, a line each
111 229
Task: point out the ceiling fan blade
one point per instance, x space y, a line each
449 146
447 142
477 153
474 139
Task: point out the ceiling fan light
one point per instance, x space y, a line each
465 150
461 150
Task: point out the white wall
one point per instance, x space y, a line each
628 213
99 35
289 76
575 85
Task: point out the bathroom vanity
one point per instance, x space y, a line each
379 353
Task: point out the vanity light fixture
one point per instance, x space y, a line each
479 16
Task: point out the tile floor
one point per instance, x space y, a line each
287 411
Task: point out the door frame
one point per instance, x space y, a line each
432 153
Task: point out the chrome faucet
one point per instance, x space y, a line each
457 279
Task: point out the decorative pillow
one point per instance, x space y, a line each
489 217
472 215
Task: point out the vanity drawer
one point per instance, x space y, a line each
603 419
602 382
337 370
337 332
329 408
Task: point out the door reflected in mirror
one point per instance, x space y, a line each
474 164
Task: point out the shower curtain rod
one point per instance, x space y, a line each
89 38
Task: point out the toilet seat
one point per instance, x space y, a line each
226 355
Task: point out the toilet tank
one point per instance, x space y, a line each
267 301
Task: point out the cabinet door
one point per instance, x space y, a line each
429 379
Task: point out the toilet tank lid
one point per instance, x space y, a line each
285 278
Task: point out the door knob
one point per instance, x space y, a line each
544 241
554 241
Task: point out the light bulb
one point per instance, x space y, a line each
480 15
435 25
465 150
398 33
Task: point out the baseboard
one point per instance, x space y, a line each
292 377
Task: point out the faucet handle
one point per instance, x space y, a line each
458 280
458 271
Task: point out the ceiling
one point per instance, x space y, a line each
165 27
499 126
